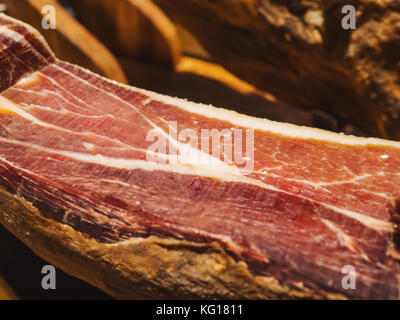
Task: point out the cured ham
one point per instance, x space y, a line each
116 162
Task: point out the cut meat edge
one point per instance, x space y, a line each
118 269
23 190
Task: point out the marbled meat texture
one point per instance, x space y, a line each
74 144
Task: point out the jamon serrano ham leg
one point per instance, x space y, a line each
77 186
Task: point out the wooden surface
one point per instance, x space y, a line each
216 72
70 40
298 51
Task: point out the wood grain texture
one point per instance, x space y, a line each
70 40
298 51
217 72
135 29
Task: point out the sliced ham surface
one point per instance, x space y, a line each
77 146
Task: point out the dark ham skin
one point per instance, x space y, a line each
74 145
17 53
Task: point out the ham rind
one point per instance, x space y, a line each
76 146
22 50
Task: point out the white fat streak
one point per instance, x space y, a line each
11 106
89 146
234 118
119 182
225 172
15 166
285 129
241 120
318 184
373 223
344 239
199 169
27 80
187 154
222 173
19 38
